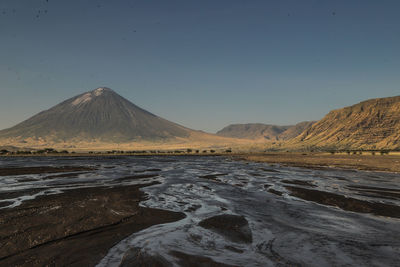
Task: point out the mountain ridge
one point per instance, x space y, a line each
102 118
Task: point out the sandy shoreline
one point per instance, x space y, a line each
317 160
381 163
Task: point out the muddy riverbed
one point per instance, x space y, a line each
194 211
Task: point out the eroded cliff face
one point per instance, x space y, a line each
372 124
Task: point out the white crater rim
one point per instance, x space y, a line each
100 90
90 95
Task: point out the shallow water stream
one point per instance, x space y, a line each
285 229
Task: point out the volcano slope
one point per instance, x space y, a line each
102 119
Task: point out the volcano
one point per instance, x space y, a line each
100 115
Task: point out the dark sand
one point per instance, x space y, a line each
344 202
197 261
234 227
212 176
40 170
276 192
75 228
136 257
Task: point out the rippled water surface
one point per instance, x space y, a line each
286 230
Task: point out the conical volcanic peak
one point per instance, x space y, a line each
100 114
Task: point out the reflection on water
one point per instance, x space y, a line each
285 230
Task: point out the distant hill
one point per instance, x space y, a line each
252 131
100 114
371 124
295 130
257 131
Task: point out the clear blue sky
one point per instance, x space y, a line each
203 64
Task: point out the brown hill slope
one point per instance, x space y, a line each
252 131
266 132
371 124
295 130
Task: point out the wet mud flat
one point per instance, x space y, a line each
195 211
345 202
233 227
136 257
75 228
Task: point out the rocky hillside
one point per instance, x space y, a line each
252 131
258 131
371 124
295 130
